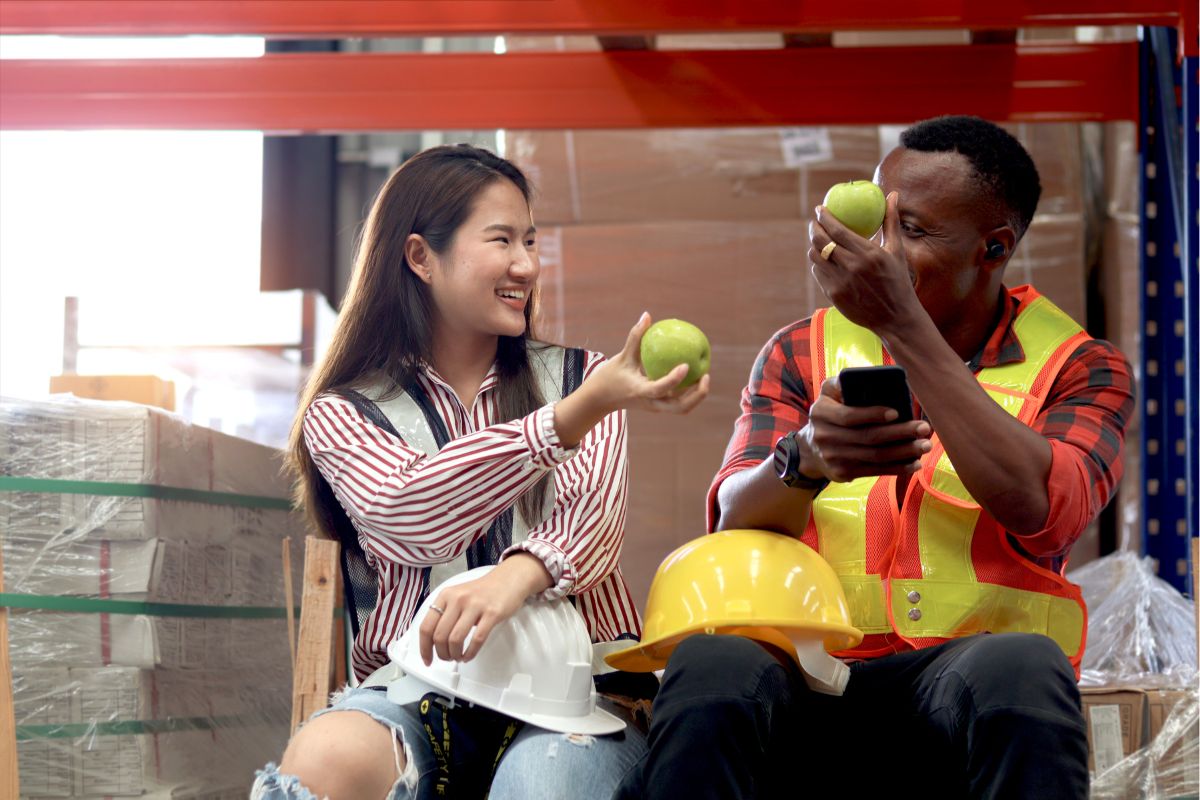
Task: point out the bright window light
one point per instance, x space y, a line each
151 218
140 47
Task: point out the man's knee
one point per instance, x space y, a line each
717 662
1021 669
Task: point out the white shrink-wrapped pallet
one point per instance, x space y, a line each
145 591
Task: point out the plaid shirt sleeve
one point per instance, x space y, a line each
774 402
1084 419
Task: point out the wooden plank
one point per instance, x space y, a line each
9 782
314 652
339 636
289 600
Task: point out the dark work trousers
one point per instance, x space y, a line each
987 716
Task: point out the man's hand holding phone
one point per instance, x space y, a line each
857 427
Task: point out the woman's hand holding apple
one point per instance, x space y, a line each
621 383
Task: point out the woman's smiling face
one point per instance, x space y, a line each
484 281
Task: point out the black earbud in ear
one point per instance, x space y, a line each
995 250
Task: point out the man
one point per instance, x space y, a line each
949 532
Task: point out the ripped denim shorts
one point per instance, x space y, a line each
537 764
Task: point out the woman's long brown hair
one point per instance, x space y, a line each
384 329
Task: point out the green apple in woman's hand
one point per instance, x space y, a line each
671 342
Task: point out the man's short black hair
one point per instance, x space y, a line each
1001 163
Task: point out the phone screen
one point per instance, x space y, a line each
877 386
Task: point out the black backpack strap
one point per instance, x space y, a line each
372 412
359 582
574 360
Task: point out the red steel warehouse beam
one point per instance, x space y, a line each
334 18
303 93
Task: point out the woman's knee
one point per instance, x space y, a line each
344 754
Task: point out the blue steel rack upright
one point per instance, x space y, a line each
1170 273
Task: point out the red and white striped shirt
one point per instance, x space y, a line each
412 510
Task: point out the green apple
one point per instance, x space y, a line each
671 342
859 205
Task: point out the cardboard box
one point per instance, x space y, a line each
1051 257
97 441
1160 703
689 174
739 173
1118 723
149 390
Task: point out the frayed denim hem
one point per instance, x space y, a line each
270 783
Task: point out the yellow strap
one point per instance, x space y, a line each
1041 328
843 507
840 514
864 597
840 511
944 541
944 481
848 345
950 609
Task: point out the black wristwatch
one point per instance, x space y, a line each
787 465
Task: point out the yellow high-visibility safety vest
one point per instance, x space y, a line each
944 568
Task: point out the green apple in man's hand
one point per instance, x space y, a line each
671 342
859 205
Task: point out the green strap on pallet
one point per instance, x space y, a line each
104 605
150 490
127 727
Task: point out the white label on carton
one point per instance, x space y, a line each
805 145
1107 749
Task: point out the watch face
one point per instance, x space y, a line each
783 449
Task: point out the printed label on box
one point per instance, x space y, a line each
1107 748
805 145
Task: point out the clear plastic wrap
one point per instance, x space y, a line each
1168 767
143 576
1142 636
1141 631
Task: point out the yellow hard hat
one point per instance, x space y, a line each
761 585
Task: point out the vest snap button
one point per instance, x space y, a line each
914 614
914 596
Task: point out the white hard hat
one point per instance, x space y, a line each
536 666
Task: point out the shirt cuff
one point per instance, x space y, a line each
546 449
556 563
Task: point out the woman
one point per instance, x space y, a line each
436 329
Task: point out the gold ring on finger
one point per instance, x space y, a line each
827 250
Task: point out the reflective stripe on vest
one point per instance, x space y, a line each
406 416
949 600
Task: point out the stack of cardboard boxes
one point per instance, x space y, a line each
179 679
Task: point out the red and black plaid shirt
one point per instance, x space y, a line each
1083 418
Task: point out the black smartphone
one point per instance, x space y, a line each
877 386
